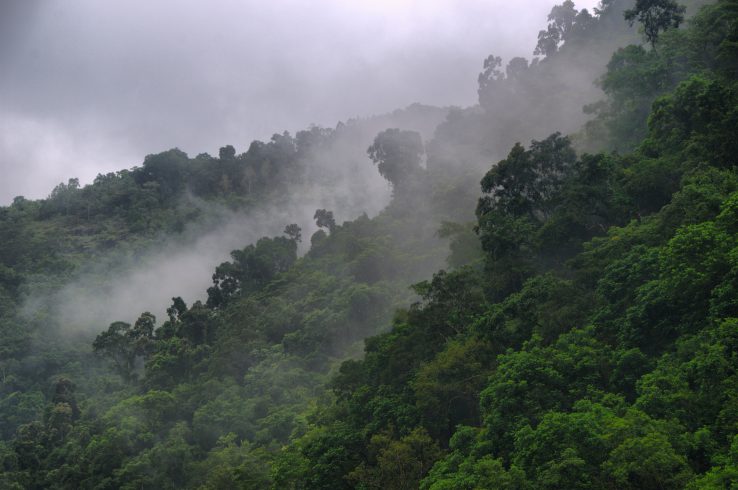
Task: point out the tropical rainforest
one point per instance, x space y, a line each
547 300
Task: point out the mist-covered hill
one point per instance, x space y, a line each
538 291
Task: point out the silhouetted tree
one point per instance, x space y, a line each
228 152
561 21
293 232
397 154
177 309
324 219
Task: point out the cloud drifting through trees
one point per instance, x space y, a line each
91 87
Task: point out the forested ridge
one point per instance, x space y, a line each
548 299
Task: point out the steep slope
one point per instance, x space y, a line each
583 337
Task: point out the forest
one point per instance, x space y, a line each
545 297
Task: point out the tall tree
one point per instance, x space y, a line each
324 219
397 154
655 16
561 21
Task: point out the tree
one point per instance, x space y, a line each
124 344
397 154
177 309
561 20
164 173
496 87
524 183
324 219
64 393
252 268
548 42
563 17
114 344
516 68
491 74
400 464
228 152
656 16
648 462
293 232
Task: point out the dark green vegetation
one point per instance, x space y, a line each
586 336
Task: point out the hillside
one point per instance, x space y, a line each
535 292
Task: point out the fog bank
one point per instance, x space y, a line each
90 87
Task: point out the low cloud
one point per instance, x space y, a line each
90 86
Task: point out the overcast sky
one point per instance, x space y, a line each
90 86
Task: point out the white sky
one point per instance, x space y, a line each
88 86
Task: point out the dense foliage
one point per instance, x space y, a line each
583 334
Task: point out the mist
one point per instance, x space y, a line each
86 96
91 87
177 267
204 81
123 284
